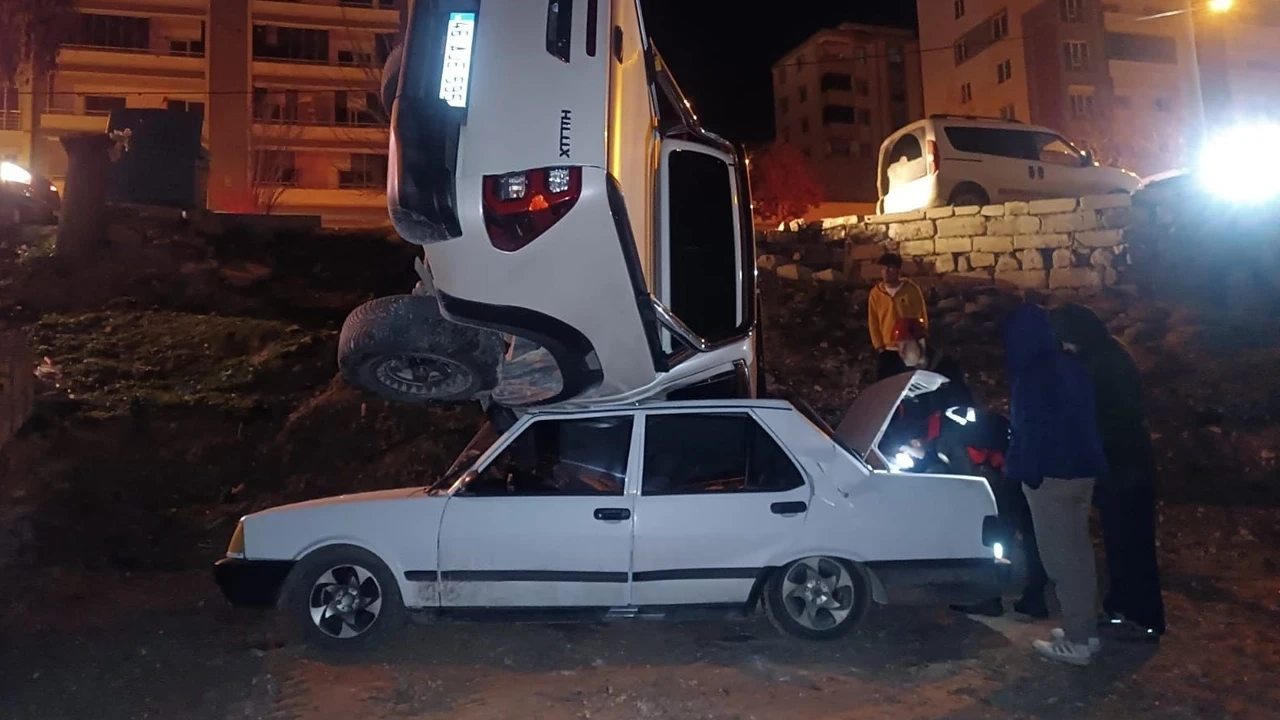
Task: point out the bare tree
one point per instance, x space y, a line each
31 31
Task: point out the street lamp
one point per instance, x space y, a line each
1220 6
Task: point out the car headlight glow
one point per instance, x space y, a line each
998 550
1238 164
10 172
902 461
235 549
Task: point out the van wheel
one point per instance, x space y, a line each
969 194
817 598
401 349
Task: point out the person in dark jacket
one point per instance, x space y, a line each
1056 454
1133 608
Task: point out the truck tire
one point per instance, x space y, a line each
401 349
17 385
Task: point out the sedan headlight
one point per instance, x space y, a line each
10 172
236 548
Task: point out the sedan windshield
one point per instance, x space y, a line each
484 438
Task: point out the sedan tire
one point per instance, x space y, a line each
343 597
817 598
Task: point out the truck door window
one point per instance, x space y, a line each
704 246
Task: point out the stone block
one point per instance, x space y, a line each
1102 257
1017 207
1102 202
1122 217
1055 205
982 259
914 230
839 221
1099 238
962 264
943 263
993 244
1041 241
968 210
896 217
1013 225
863 251
767 262
869 271
1007 263
952 227
1074 278
1031 259
1110 277
917 247
1062 258
835 233
1069 222
1024 279
794 272
941 212
828 275
953 244
993 211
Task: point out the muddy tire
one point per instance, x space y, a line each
401 349
17 385
342 597
817 598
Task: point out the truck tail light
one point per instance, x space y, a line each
518 207
934 160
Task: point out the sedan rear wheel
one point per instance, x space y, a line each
817 598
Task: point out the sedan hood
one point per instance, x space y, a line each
352 499
869 413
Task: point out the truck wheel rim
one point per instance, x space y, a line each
818 593
423 375
345 601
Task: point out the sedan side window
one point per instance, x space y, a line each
697 454
560 457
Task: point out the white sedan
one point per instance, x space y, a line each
637 511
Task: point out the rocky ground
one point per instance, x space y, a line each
185 380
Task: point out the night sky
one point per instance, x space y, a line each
720 51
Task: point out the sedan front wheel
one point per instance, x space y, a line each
817 598
343 597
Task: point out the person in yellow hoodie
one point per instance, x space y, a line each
894 298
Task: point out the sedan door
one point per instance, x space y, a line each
546 522
718 498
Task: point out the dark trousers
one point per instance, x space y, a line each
1012 505
1129 537
888 364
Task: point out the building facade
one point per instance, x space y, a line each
288 91
839 94
1134 80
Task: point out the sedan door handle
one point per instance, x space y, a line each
612 514
789 508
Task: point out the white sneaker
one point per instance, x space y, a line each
1064 651
1095 644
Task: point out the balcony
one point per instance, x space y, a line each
58 121
322 135
349 15
130 62
10 120
195 9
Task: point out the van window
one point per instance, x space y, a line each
905 161
1054 150
1018 144
703 244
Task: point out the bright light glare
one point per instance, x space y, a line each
902 461
1219 6
14 174
998 551
1239 164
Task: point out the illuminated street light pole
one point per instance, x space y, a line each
1201 119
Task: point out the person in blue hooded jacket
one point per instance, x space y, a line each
1055 452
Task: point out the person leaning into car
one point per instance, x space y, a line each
894 298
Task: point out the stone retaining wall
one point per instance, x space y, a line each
1068 243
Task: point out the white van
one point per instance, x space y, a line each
951 160
585 239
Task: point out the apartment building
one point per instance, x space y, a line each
288 90
839 94
1124 77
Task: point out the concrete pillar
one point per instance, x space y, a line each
229 53
32 102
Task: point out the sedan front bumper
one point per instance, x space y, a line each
251 583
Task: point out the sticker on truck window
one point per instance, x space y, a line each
455 76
